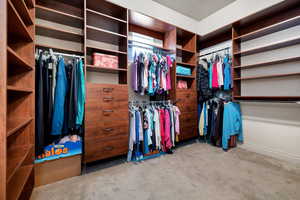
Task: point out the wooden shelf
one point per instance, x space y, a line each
23 11
152 45
58 33
103 69
275 45
14 164
268 98
17 183
51 14
184 76
185 50
275 62
270 29
105 31
58 49
17 30
14 59
107 16
109 51
19 89
268 76
13 125
29 3
186 64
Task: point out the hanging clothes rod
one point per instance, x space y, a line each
148 103
227 48
151 46
62 54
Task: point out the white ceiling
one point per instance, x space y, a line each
197 9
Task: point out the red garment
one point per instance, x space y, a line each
168 141
162 128
215 83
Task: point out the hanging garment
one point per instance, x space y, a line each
168 140
132 134
232 123
80 94
73 105
59 100
215 83
134 74
220 73
205 93
227 74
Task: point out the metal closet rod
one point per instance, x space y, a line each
215 51
62 54
149 102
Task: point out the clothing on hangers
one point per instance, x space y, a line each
154 126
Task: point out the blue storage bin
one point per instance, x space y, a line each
183 70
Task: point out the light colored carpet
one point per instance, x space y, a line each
195 171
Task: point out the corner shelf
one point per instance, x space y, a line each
17 29
19 181
265 77
23 11
185 50
105 31
16 124
14 59
275 62
15 164
272 46
269 29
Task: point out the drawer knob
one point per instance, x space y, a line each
108 89
109 148
108 98
108 129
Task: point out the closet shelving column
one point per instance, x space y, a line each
59 26
257 29
106 119
187 98
17 100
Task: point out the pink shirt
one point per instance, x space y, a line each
168 141
215 83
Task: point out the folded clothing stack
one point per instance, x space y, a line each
183 70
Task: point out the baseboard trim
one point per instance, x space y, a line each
271 152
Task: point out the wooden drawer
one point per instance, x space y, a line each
100 148
185 106
188 119
187 132
186 94
107 129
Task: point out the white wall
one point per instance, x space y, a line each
231 13
160 12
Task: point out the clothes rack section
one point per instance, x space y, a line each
154 128
151 73
214 74
60 99
220 123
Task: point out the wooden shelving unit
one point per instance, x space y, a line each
247 30
106 29
17 99
186 56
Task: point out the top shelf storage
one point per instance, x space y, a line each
107 9
186 41
269 29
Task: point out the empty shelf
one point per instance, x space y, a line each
183 76
13 125
23 11
58 33
275 45
58 49
17 183
109 51
51 14
268 76
186 64
104 69
270 29
275 62
105 31
19 89
185 50
104 15
14 60
14 163
17 29
268 98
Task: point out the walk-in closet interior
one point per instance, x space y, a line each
118 94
